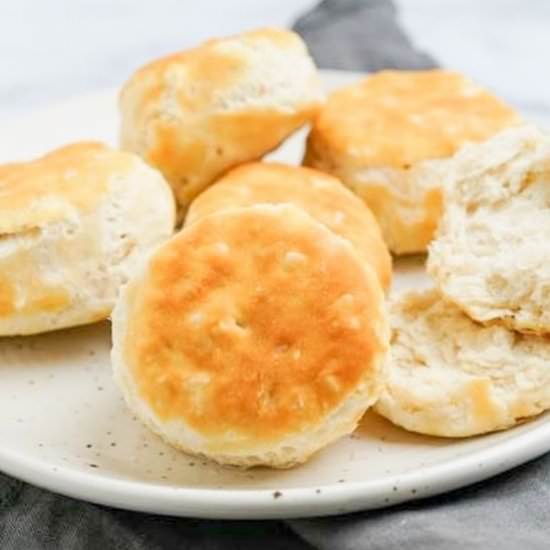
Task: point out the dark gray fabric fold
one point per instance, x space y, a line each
359 35
508 512
34 519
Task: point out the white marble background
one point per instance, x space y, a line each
54 49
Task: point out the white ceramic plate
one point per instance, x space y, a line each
64 426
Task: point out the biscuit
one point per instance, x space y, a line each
491 256
322 196
195 114
255 336
383 135
73 225
449 376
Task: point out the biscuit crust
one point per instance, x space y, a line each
49 188
71 230
195 114
320 195
380 135
254 336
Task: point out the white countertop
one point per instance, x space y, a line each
58 49
503 44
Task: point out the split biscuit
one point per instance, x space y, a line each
450 376
491 256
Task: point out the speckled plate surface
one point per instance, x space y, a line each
64 426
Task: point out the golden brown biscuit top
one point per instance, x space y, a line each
47 189
398 118
252 324
207 69
322 196
197 113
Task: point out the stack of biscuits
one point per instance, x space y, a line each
259 332
472 355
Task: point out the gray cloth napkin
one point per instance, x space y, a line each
508 512
505 513
359 35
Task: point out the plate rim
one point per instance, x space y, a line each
298 502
